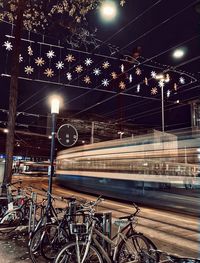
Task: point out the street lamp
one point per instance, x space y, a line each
163 79
120 134
55 104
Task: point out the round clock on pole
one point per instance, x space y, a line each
67 135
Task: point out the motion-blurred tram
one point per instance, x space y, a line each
134 169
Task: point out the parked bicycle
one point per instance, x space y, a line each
126 246
16 212
49 238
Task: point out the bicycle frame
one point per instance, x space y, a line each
114 242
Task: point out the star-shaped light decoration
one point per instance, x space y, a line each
50 54
168 93
59 65
175 86
161 84
20 58
8 45
69 76
122 67
138 88
49 72
78 69
154 91
122 85
105 82
138 71
105 65
182 80
39 61
28 70
122 2
113 75
97 71
30 51
88 62
146 81
70 58
153 74
87 80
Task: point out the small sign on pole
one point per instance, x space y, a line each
67 135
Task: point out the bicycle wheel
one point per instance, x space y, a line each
34 245
52 240
10 221
136 248
68 254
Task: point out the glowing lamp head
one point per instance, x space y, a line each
179 53
108 10
55 104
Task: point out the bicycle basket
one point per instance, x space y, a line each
78 229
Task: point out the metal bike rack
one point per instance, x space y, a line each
105 219
32 212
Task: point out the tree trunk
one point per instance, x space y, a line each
10 140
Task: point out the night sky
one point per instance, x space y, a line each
148 42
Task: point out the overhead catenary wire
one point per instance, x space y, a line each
161 24
97 87
157 110
119 31
105 100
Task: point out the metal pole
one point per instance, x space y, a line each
92 133
51 173
163 113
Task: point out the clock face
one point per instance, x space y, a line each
67 135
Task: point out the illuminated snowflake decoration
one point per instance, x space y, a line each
8 45
182 80
122 2
59 65
28 70
30 51
20 58
39 61
153 74
105 65
78 69
69 76
105 82
122 67
97 71
122 85
168 93
49 72
154 91
113 75
138 71
70 58
87 80
130 78
161 84
50 54
138 88
88 62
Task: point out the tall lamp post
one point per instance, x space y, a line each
55 103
